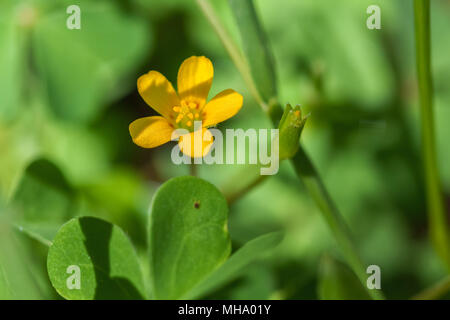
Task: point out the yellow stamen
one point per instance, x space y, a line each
179 118
185 113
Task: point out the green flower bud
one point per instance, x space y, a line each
290 128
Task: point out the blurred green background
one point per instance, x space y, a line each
68 96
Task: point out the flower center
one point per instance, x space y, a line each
186 114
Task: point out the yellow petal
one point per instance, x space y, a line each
194 79
158 93
196 144
150 132
222 107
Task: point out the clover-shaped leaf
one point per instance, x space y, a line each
188 237
94 259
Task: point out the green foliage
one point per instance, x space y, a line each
4 289
188 246
236 263
76 67
109 265
67 98
43 201
256 48
11 84
95 58
338 282
22 264
188 236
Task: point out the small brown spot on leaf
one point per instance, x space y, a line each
197 204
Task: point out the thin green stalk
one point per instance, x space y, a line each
235 54
233 197
193 169
311 179
435 292
32 235
435 205
303 165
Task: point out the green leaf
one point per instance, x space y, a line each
12 58
43 201
188 236
109 267
238 261
5 293
123 196
83 69
22 275
338 282
256 47
258 281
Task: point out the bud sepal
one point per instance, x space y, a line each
290 128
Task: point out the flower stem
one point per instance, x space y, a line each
435 205
303 165
434 292
233 197
193 168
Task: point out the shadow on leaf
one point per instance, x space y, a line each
98 248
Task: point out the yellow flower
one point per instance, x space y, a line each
179 111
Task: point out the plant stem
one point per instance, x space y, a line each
233 197
32 235
311 179
235 54
435 205
193 168
434 292
303 165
